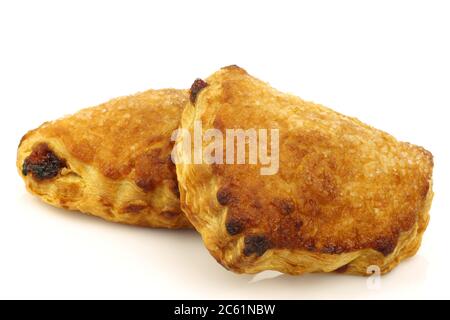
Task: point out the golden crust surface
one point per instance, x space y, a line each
117 157
346 196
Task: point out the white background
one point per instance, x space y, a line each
385 62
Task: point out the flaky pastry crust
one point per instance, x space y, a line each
111 161
346 197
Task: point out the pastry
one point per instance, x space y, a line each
331 194
111 161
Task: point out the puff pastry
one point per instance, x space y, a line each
111 161
346 196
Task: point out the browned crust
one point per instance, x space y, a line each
113 135
118 152
343 187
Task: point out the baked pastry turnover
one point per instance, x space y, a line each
111 161
345 196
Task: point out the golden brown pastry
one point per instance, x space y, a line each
345 196
111 161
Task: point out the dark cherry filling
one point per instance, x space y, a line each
42 163
234 227
224 196
256 244
196 87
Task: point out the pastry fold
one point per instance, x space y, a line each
111 161
346 197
